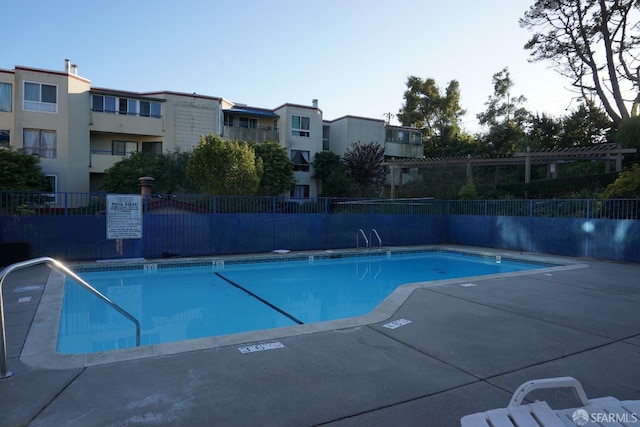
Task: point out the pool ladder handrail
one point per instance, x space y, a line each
4 373
364 236
374 231
368 242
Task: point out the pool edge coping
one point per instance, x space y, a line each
39 350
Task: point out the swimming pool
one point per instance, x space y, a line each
176 302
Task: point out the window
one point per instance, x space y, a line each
109 104
300 126
300 192
156 109
152 147
404 136
300 160
123 148
247 122
50 189
132 107
40 97
228 120
125 106
122 106
150 109
326 135
97 103
5 97
5 138
42 143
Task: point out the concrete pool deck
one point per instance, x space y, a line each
469 344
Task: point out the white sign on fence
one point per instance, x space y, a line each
124 216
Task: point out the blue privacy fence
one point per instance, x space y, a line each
73 226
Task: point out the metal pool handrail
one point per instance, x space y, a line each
374 231
366 241
4 373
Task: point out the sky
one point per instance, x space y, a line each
353 56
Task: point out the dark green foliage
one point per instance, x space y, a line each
468 191
20 171
505 117
501 139
544 134
168 171
218 166
277 176
331 171
436 114
364 166
440 182
585 126
628 136
627 185
561 188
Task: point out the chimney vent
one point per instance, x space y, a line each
74 69
67 66
314 102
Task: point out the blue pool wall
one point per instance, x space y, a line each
597 238
575 228
250 233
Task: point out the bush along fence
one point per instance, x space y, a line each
74 226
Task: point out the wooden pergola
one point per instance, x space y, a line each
609 153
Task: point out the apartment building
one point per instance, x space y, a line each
80 131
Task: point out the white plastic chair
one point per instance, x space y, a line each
604 411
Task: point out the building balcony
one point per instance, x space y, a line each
257 134
101 160
112 122
401 149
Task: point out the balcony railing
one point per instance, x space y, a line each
249 126
127 113
257 134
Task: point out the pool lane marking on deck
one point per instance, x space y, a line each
259 298
261 347
396 323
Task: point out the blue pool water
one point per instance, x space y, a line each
175 304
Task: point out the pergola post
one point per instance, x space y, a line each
393 181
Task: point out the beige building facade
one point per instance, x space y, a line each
80 131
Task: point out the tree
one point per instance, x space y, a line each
585 126
594 43
218 166
365 168
20 172
544 134
331 172
437 115
468 191
505 117
168 171
502 106
628 136
626 186
277 176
